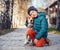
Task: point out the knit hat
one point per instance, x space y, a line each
31 8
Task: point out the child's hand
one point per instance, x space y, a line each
30 25
35 41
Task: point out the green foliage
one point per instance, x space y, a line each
53 31
2 32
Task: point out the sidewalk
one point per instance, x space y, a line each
15 41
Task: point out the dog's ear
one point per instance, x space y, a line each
26 18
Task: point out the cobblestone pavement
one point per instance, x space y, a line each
15 41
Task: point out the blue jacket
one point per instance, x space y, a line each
40 25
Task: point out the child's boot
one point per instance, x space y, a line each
48 42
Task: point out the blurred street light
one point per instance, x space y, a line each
56 6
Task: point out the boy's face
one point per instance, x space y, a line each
33 14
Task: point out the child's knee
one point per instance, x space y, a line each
30 31
40 42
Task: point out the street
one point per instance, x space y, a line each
15 41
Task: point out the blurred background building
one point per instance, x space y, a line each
53 14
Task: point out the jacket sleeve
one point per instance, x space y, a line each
44 28
26 23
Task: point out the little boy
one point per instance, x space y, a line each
38 34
